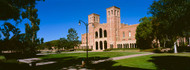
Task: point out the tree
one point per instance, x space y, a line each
173 18
63 43
10 9
72 38
144 34
15 9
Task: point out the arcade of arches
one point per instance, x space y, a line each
112 34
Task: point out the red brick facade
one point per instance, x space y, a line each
112 34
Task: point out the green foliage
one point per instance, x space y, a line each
157 50
107 50
72 38
10 9
86 49
26 42
172 18
144 34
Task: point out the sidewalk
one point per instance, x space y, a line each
121 57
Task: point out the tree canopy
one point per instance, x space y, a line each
173 16
19 10
144 34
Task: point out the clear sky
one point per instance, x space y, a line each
57 16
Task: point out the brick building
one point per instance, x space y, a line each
112 34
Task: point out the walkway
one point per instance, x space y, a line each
121 57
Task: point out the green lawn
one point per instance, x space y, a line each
2 57
164 61
91 54
62 60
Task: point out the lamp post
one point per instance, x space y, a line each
86 24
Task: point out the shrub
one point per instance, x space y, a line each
88 50
157 50
183 49
107 50
147 50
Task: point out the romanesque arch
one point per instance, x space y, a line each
96 45
100 32
105 33
101 45
105 44
96 34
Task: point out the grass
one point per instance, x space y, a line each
62 60
127 49
91 54
164 61
2 58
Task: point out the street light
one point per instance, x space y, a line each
86 24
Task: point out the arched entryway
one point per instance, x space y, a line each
100 32
96 45
96 34
105 33
105 44
101 45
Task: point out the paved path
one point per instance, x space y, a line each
121 57
67 52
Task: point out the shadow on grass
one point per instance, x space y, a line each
66 63
19 55
171 62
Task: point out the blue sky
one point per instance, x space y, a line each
57 16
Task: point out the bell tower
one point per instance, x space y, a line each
93 20
114 22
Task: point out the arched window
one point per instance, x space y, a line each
115 12
108 12
105 33
123 34
96 34
100 32
112 12
96 45
129 33
105 44
101 45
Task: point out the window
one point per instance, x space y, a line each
119 45
125 45
123 34
111 46
96 45
100 32
112 12
105 33
129 33
108 12
115 12
105 44
101 45
96 34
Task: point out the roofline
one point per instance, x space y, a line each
94 14
114 7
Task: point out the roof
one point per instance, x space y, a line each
94 14
113 7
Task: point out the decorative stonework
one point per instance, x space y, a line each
110 34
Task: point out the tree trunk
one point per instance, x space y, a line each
189 41
164 43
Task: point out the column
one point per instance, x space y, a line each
103 45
